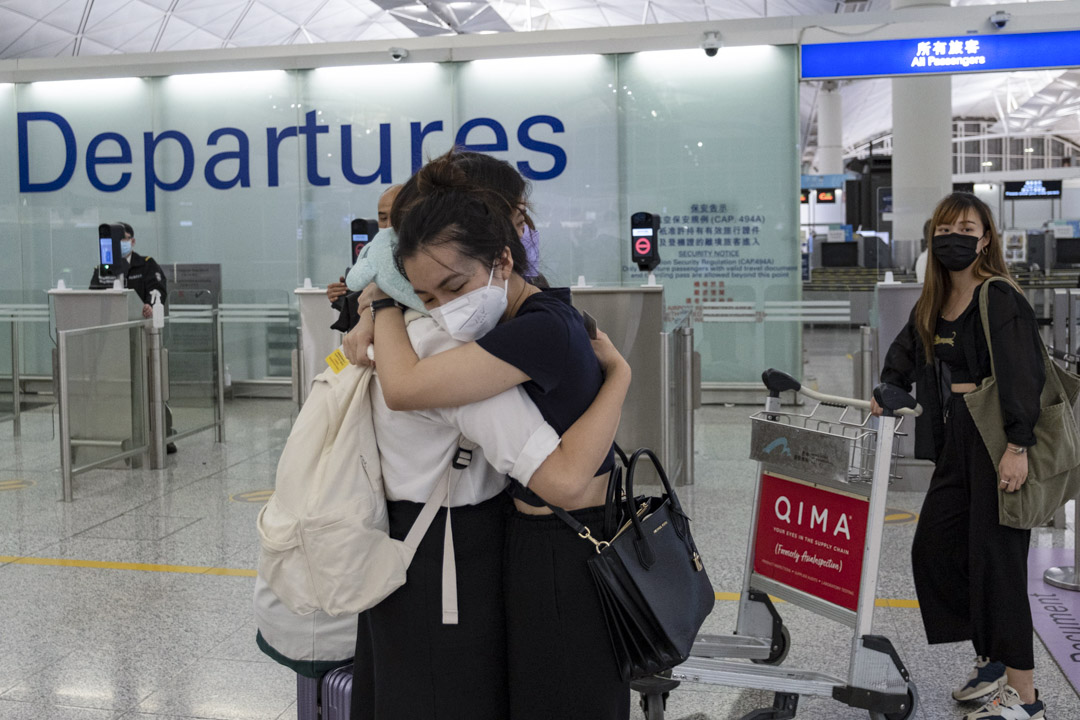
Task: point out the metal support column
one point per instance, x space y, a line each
867 339
685 337
667 428
157 399
219 353
1066 337
65 418
16 391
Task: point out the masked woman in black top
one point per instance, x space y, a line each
459 249
970 572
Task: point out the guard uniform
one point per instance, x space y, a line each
142 276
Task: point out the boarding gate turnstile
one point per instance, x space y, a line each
657 415
112 381
1066 340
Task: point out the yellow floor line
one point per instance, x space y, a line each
144 567
238 572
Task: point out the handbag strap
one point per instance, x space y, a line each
441 494
984 312
530 497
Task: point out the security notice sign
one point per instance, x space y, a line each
811 538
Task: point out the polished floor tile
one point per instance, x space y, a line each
82 639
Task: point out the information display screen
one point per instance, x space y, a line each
840 254
1068 251
106 250
1032 189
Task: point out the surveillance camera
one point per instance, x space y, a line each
397 54
1000 19
711 44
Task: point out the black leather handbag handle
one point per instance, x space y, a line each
679 519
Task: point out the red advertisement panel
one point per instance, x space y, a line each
811 538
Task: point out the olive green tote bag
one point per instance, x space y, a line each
1054 461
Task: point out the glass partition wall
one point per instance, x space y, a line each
262 172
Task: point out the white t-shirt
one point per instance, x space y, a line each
417 446
920 266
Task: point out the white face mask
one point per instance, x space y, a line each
473 314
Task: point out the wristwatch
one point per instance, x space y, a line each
384 303
1017 450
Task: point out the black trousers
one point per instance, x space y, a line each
561 663
409 665
971 572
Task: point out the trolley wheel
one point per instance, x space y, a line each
653 706
913 705
779 653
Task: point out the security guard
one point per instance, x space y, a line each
142 276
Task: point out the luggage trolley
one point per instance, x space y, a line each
815 542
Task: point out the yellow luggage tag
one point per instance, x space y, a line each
337 361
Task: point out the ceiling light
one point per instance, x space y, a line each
1029 149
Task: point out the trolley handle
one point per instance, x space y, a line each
890 397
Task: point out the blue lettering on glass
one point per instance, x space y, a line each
419 132
93 160
382 174
311 132
24 120
501 144
242 155
99 152
273 142
917 56
152 181
556 152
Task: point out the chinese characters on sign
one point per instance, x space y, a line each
938 53
710 245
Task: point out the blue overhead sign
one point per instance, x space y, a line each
956 54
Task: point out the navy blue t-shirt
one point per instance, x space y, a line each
547 341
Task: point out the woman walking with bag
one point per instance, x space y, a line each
970 571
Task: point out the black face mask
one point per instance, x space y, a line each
955 251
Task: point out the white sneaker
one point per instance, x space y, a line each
1006 704
986 677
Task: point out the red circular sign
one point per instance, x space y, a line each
642 246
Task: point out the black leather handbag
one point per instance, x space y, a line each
653 586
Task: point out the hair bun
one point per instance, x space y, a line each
441 175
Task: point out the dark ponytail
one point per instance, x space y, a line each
452 199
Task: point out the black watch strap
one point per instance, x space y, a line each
384 303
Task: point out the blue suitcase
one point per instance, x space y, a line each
326 699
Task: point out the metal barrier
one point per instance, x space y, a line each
680 373
15 315
278 321
212 318
121 371
816 312
92 367
1066 338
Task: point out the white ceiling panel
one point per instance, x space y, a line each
262 25
141 41
92 47
39 40
67 15
12 26
179 34
216 18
